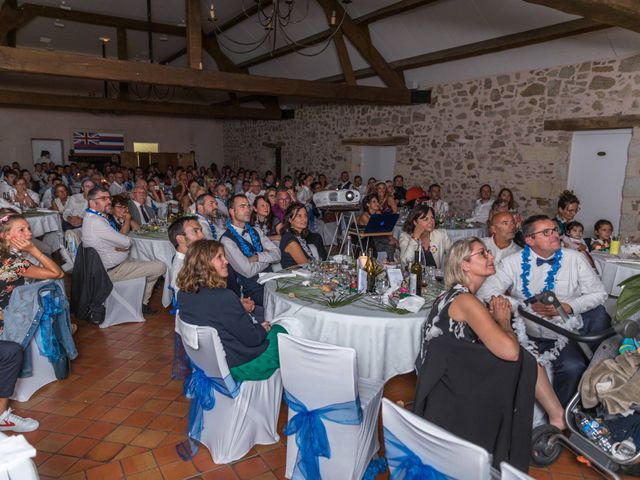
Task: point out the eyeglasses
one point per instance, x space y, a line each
484 252
103 198
547 232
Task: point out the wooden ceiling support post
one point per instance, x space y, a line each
194 34
123 54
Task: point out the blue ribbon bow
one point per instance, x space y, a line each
311 434
201 390
406 465
542 261
49 344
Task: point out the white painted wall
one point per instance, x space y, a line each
19 126
378 162
596 179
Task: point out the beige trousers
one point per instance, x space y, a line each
151 269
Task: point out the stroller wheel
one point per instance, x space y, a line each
543 453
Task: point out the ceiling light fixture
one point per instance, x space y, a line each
64 6
45 40
274 18
164 38
58 23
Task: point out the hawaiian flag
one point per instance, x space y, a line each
89 143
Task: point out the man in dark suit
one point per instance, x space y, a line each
140 212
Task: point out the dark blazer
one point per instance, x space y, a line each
465 389
135 213
90 283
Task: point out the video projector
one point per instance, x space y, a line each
337 199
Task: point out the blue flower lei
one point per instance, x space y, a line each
550 281
244 246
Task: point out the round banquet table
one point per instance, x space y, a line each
386 344
43 221
614 270
154 246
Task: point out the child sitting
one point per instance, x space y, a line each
572 237
601 236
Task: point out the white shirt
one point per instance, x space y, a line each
576 284
304 195
206 229
75 207
47 198
4 187
116 189
222 208
439 244
241 264
499 253
176 266
440 207
481 211
99 235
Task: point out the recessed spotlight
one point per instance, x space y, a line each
182 23
45 40
104 39
58 23
164 38
64 6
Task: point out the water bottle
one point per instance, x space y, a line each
349 252
591 429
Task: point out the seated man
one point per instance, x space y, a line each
248 251
10 364
74 210
182 233
206 210
141 214
502 228
113 247
544 265
440 207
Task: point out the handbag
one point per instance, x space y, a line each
62 366
95 314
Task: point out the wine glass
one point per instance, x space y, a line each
438 274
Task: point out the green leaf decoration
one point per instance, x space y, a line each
628 303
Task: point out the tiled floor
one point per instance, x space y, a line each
119 415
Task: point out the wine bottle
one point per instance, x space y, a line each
371 272
415 282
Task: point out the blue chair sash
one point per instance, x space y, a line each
201 390
311 434
406 465
49 345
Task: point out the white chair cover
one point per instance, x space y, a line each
319 374
124 303
436 447
42 370
72 239
509 472
233 426
15 458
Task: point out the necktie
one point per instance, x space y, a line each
144 214
541 261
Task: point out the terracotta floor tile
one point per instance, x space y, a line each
129 451
163 422
139 419
73 426
125 387
71 409
41 457
155 405
173 439
224 473
178 470
265 476
79 446
35 436
139 377
52 421
153 474
56 465
116 415
275 458
123 434
138 463
93 412
53 442
134 400
109 471
99 430
166 454
47 405
177 409
203 461
82 465
110 399
149 438
279 472
104 451
88 396
252 467
79 475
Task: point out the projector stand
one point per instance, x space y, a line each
339 219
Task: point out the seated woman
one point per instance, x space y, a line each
293 244
471 369
23 195
263 219
120 217
387 244
387 204
15 240
420 225
251 349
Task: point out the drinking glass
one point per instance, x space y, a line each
438 274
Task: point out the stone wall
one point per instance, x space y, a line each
481 131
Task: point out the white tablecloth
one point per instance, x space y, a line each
454 233
614 270
150 248
44 223
386 344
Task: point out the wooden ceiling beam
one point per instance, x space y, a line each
11 19
593 123
194 34
123 54
493 45
341 48
359 38
11 98
33 11
375 16
20 60
619 13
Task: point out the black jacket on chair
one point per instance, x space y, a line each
90 283
465 389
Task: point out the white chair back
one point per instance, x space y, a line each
435 446
15 458
124 303
509 472
317 374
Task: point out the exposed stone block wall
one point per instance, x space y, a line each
481 131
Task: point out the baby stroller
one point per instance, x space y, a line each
547 440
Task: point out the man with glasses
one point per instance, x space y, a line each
544 265
255 189
113 247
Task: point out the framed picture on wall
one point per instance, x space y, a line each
47 150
